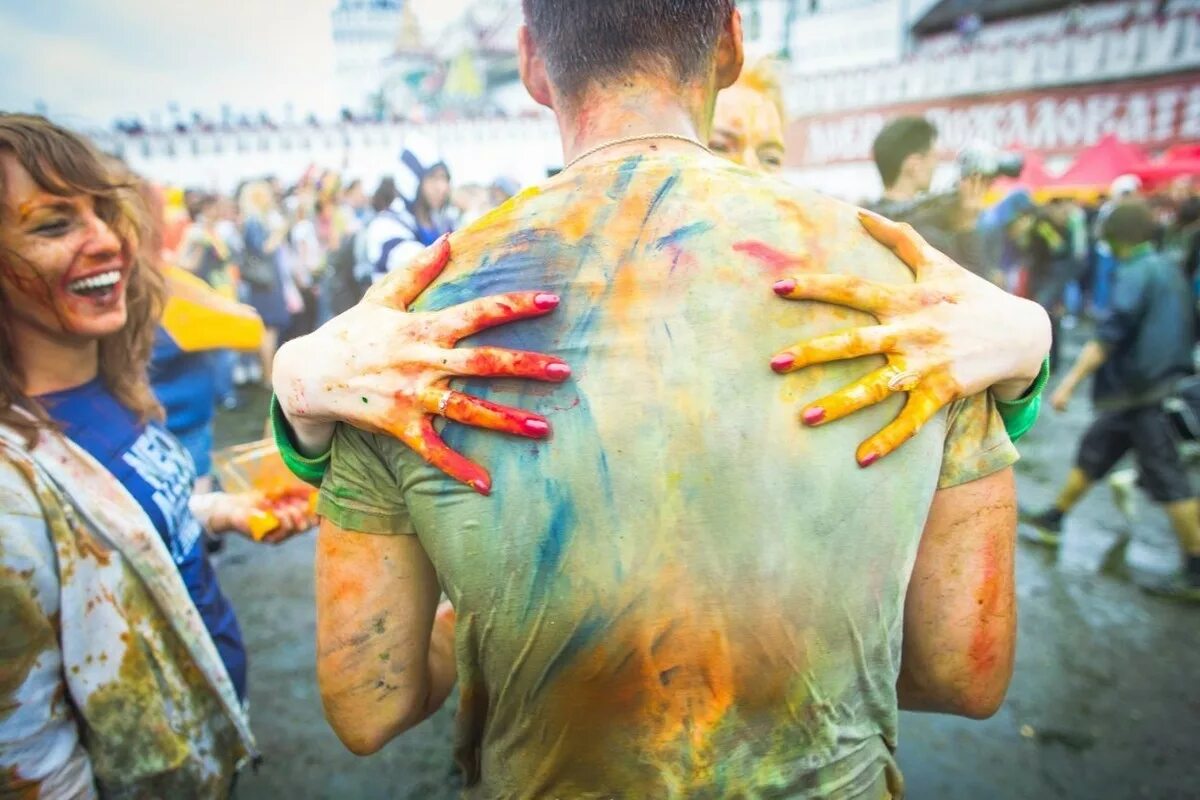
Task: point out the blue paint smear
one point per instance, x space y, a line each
625 173
559 529
659 196
677 236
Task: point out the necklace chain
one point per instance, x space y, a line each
629 140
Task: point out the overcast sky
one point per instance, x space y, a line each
91 62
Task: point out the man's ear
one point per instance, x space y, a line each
533 69
731 52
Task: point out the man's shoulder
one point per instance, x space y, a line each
716 203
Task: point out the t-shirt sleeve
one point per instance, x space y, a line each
977 444
361 491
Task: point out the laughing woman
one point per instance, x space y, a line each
121 663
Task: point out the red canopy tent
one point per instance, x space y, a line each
1178 162
1098 166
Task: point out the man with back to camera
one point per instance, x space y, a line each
905 154
683 596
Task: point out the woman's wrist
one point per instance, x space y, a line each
312 431
207 509
1031 344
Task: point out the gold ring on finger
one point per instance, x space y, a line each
904 381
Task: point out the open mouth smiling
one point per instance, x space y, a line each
95 286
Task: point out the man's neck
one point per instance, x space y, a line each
52 364
634 107
900 192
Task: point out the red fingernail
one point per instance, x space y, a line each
783 362
814 415
868 460
481 486
785 287
536 427
546 301
558 372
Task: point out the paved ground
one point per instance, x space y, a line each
1105 702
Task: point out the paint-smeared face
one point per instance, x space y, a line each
63 270
747 130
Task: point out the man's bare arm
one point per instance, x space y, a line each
960 619
382 664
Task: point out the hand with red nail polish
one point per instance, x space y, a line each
384 369
949 335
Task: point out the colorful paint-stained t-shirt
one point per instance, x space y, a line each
684 593
153 467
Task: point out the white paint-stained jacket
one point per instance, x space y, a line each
110 685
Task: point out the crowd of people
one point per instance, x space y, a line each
639 606
302 253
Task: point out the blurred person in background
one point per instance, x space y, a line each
1123 188
1054 244
905 153
355 203
1141 356
749 118
124 664
1187 239
417 217
306 262
471 201
264 232
343 285
207 254
502 190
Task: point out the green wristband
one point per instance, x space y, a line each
1021 414
309 470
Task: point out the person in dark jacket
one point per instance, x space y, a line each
905 153
1141 356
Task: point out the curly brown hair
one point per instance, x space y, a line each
65 164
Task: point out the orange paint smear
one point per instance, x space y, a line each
983 653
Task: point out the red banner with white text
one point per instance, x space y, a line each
1150 113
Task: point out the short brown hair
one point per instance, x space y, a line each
1130 223
899 139
63 163
585 41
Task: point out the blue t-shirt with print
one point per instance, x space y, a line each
153 467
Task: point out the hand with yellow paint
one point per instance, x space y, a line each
256 515
949 335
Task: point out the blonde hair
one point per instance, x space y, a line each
63 163
762 77
256 199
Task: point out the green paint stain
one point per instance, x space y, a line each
365 401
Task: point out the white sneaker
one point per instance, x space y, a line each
1123 486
